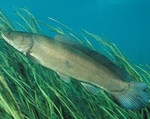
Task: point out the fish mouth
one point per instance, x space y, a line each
5 38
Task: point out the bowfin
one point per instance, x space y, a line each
64 78
135 97
97 56
91 88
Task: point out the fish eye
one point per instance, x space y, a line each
9 33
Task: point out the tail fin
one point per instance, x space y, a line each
135 97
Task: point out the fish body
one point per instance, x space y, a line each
70 58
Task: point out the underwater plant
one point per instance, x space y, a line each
33 92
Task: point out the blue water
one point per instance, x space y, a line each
123 22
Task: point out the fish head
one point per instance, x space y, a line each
21 41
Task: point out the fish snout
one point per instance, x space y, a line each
6 36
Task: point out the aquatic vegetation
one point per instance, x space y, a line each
33 92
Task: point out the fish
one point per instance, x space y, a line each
70 58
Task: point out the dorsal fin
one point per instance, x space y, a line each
99 57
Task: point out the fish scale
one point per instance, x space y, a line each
84 69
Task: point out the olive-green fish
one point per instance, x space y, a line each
70 58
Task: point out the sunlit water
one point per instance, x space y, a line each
126 23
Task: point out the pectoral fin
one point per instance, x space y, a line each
32 58
64 78
91 88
